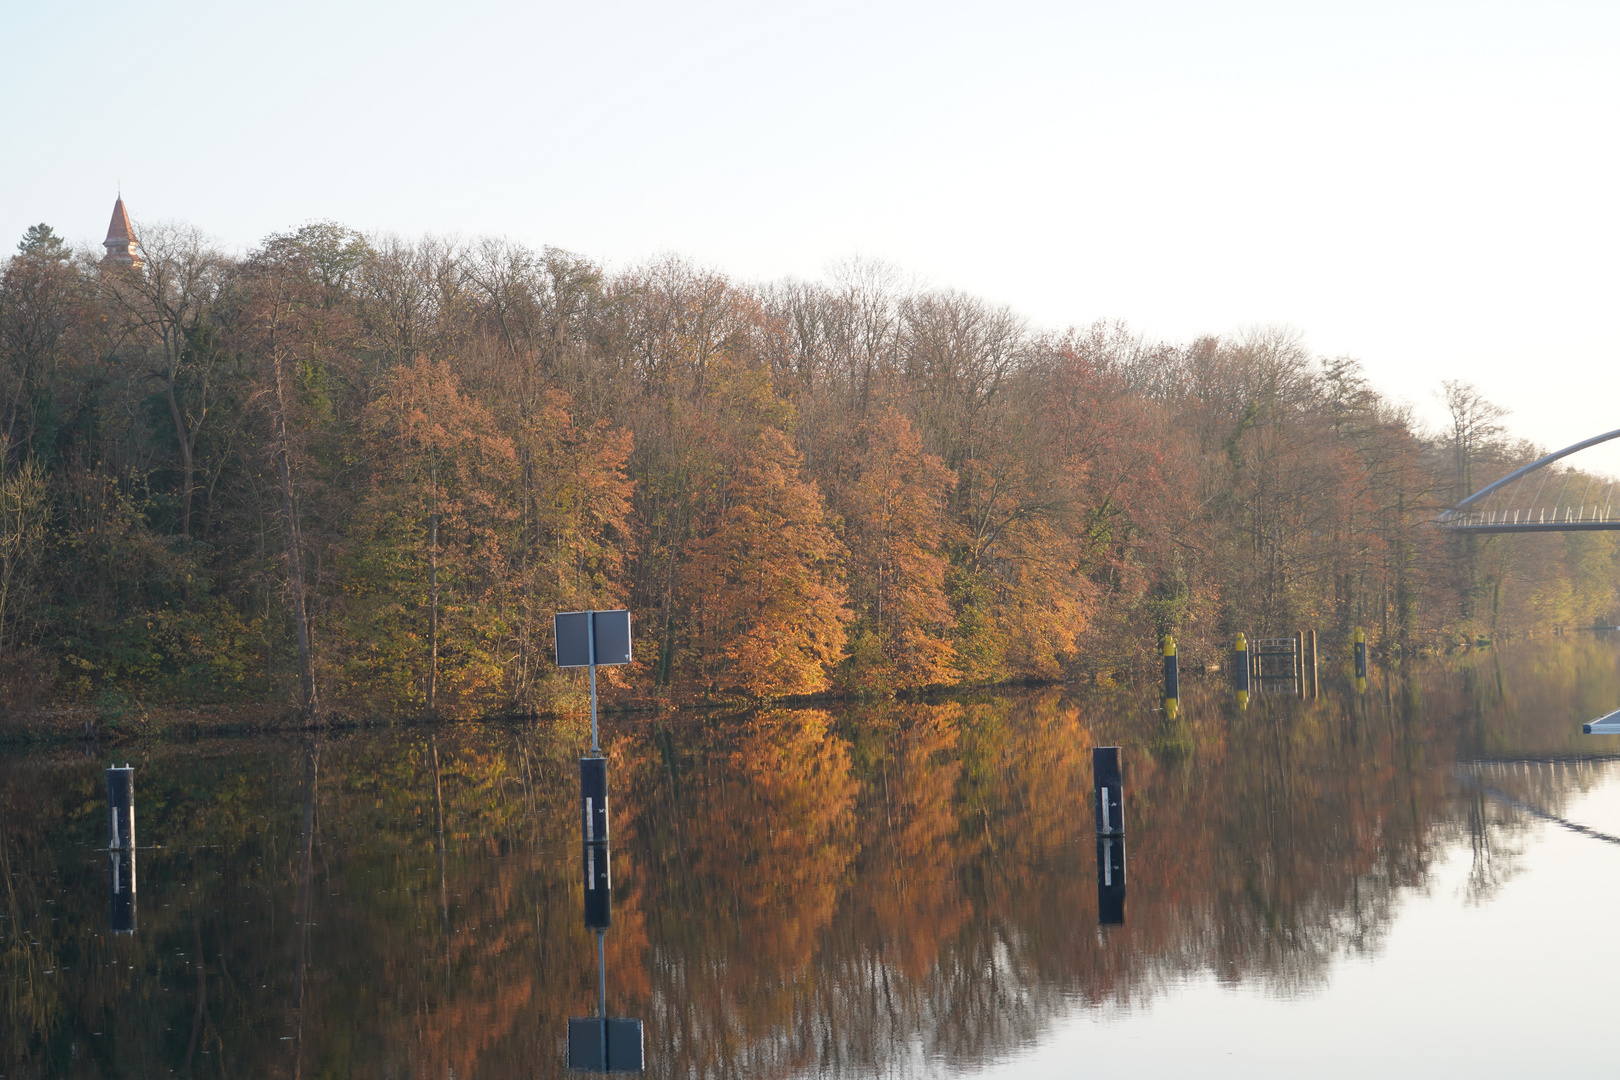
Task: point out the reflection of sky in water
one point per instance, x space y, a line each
1516 983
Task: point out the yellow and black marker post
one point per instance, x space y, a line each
1172 684
1361 660
1240 671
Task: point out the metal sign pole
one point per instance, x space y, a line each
590 633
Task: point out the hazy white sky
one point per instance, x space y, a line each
1428 187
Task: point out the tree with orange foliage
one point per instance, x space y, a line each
896 521
573 534
763 581
426 564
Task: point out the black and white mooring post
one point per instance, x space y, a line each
1110 880
1172 680
590 639
1240 670
1110 791
593 800
121 847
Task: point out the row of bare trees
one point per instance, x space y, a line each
362 472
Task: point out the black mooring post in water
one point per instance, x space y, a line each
121 804
1110 791
1110 880
121 845
593 800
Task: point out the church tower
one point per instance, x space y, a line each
119 238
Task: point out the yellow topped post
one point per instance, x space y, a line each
1172 688
1361 660
1240 670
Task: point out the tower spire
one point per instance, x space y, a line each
120 236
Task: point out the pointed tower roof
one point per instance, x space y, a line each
120 235
120 229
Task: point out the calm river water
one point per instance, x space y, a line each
1414 878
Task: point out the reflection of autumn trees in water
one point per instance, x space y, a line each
875 890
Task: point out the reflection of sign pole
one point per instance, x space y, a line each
602 1043
588 638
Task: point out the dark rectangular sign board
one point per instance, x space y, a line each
574 637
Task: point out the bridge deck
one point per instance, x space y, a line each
1532 527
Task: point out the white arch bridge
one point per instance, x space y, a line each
1538 499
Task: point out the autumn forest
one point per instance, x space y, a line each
356 475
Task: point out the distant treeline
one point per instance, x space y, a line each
361 473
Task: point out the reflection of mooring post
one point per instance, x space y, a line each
1172 684
600 1043
1240 671
593 805
1361 660
121 845
1110 880
1110 788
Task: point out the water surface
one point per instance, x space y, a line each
1414 877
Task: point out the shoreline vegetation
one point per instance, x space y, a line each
348 478
124 721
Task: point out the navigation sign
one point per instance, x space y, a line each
589 639
575 631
